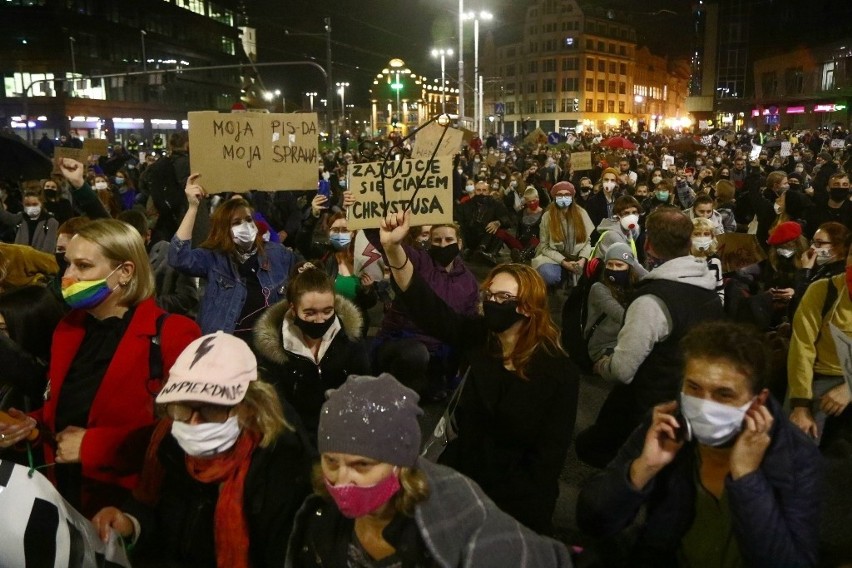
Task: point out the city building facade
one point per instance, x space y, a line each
114 69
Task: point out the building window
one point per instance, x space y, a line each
550 45
612 67
590 45
622 68
510 70
228 46
793 80
196 6
590 85
533 47
612 48
570 84
590 105
610 106
548 105
612 87
510 108
590 64
601 66
601 47
533 67
570 64
828 76
601 86
510 88
769 83
549 65
531 107
622 50
622 88
600 106
548 85
221 15
621 107
532 87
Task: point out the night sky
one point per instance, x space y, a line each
366 34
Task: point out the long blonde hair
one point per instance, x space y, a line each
261 411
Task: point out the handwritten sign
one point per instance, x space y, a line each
738 250
581 161
838 143
433 203
843 344
267 152
786 149
96 146
428 138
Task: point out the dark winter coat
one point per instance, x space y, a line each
774 510
299 379
180 529
514 433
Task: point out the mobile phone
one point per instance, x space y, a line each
684 430
689 171
324 188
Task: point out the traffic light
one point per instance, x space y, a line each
576 105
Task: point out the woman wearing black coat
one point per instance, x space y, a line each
519 402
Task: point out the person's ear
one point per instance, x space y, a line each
126 273
762 397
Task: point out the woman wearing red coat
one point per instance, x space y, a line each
99 403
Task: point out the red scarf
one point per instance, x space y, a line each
229 470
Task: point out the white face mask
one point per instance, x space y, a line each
326 175
785 252
206 439
33 211
609 185
630 222
777 208
702 243
101 185
468 188
713 423
656 179
824 256
244 233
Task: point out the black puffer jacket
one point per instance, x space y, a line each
301 381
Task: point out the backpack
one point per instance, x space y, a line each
575 334
155 358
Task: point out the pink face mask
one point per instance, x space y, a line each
354 501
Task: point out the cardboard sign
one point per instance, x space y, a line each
738 250
581 161
41 529
668 161
570 139
267 152
786 149
428 138
843 345
537 136
96 146
60 152
838 143
722 143
755 151
433 203
367 258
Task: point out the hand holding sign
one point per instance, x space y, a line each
194 191
111 519
395 228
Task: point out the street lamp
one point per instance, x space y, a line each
477 111
311 96
443 53
461 60
341 88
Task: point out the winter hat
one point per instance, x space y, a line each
562 186
798 178
214 369
785 232
622 252
612 171
374 417
825 156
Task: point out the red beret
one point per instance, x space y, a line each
785 232
562 186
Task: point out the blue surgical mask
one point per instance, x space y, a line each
119 181
340 240
564 201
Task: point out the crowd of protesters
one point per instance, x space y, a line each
234 379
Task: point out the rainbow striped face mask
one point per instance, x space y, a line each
86 294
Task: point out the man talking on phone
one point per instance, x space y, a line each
725 478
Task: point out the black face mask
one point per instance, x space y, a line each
313 329
838 193
444 255
50 193
500 317
620 278
60 261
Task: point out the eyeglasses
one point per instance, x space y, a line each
208 412
820 243
499 297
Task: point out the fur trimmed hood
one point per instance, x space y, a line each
267 332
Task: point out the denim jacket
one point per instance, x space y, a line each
225 293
